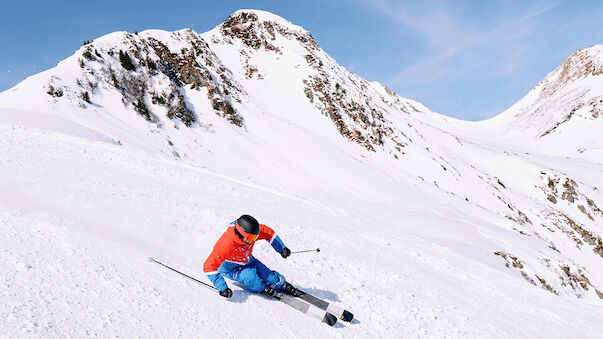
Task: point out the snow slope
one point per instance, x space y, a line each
79 223
428 226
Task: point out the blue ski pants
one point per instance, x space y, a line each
256 276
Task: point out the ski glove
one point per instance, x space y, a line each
227 293
285 252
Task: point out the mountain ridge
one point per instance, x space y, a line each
566 103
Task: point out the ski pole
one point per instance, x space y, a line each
188 276
317 250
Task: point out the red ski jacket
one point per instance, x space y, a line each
231 252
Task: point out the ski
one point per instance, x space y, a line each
299 305
339 312
307 308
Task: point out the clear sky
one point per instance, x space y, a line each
467 59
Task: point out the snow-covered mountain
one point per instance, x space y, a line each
147 143
562 113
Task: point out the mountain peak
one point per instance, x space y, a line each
584 63
257 28
259 15
567 100
589 59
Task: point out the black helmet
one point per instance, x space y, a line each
247 225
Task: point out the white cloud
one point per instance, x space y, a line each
450 30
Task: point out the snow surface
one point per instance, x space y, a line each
79 222
89 191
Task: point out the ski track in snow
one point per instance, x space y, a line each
79 219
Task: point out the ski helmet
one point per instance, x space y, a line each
247 228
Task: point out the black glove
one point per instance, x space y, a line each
227 293
285 252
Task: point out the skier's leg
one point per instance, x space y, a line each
272 278
248 276
252 281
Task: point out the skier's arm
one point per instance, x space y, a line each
210 268
268 234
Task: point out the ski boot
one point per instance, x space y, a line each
271 292
291 290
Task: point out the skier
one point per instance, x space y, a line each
232 258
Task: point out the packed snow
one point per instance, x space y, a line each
80 218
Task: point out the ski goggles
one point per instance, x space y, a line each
250 238
246 237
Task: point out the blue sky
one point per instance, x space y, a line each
467 59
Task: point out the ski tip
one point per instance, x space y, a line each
347 316
151 259
329 319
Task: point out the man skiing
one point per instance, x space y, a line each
232 258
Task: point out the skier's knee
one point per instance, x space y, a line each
252 281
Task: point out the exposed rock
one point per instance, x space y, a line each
54 92
578 65
570 190
546 285
183 68
585 235
247 28
512 260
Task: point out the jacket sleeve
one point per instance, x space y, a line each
210 268
268 234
